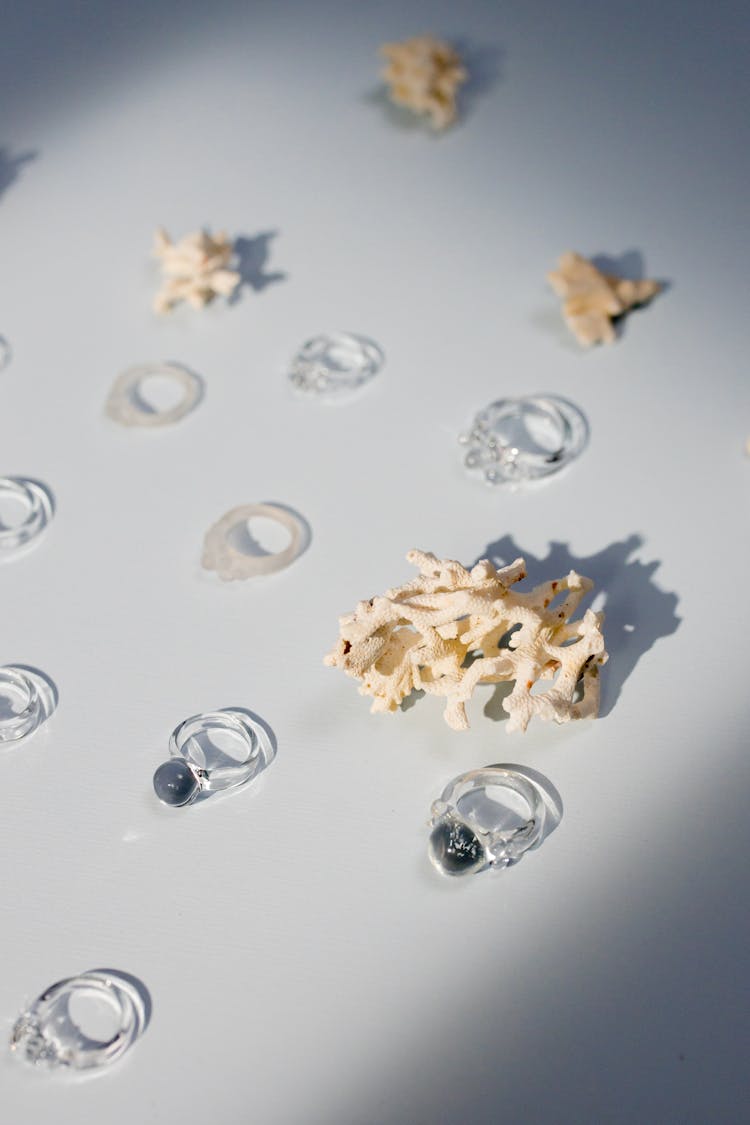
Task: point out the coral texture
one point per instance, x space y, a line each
450 629
591 298
424 75
195 269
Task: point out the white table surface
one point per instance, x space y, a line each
306 965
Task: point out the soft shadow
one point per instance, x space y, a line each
637 612
484 65
629 265
252 256
11 166
6 353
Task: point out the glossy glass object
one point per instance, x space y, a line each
36 502
486 818
524 439
209 753
127 405
22 709
49 1032
335 362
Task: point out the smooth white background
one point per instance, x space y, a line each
305 964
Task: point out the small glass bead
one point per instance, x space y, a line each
455 849
175 783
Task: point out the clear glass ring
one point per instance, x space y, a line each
36 501
524 439
49 1032
334 362
26 711
486 818
211 752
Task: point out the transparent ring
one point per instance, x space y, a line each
198 764
36 500
471 832
48 1031
29 713
523 439
229 562
126 405
334 362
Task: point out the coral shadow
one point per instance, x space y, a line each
638 613
484 65
11 166
252 256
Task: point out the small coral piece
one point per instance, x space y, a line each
424 75
195 269
592 298
450 629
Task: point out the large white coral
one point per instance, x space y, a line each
450 629
195 269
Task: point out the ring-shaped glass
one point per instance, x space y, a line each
47 1033
466 835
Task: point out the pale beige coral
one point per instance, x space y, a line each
195 269
450 629
592 298
424 75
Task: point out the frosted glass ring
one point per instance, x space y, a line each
47 1032
37 502
126 405
229 562
468 835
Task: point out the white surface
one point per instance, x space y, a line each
305 963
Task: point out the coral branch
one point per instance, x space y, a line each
450 629
195 269
591 298
424 75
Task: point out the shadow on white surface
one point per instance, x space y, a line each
11 168
252 264
637 612
629 265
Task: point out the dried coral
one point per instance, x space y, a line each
195 269
450 629
424 75
591 298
